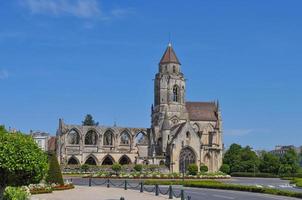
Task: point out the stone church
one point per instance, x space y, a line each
181 132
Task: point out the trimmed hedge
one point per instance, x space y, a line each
251 174
193 169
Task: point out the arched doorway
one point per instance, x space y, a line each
90 161
186 157
108 160
72 161
124 160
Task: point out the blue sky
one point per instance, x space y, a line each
67 58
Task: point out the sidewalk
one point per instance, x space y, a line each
97 193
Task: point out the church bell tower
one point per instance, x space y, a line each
169 95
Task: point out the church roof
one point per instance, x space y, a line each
169 56
202 111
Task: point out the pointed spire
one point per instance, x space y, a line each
166 123
169 56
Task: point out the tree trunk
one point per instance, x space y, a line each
2 188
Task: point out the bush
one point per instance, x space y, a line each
203 168
193 169
85 167
15 193
116 167
225 168
54 173
138 167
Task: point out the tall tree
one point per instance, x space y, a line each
88 121
289 162
241 159
21 160
269 163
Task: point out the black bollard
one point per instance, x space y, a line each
182 195
70 180
156 190
125 186
108 183
89 182
170 192
142 187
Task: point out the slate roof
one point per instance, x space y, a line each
202 111
169 56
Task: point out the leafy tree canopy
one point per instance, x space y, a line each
241 159
88 121
21 161
269 163
289 162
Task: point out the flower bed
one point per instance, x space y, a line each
44 188
63 187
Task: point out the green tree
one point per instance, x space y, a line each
21 161
289 162
88 121
241 159
269 163
54 173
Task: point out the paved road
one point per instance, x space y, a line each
200 193
265 182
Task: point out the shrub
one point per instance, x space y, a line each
85 167
116 167
54 173
225 168
138 167
192 169
203 168
15 193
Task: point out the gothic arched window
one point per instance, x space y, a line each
125 138
141 138
175 93
91 138
73 137
108 138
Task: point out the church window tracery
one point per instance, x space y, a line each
91 138
125 138
73 137
108 138
175 93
